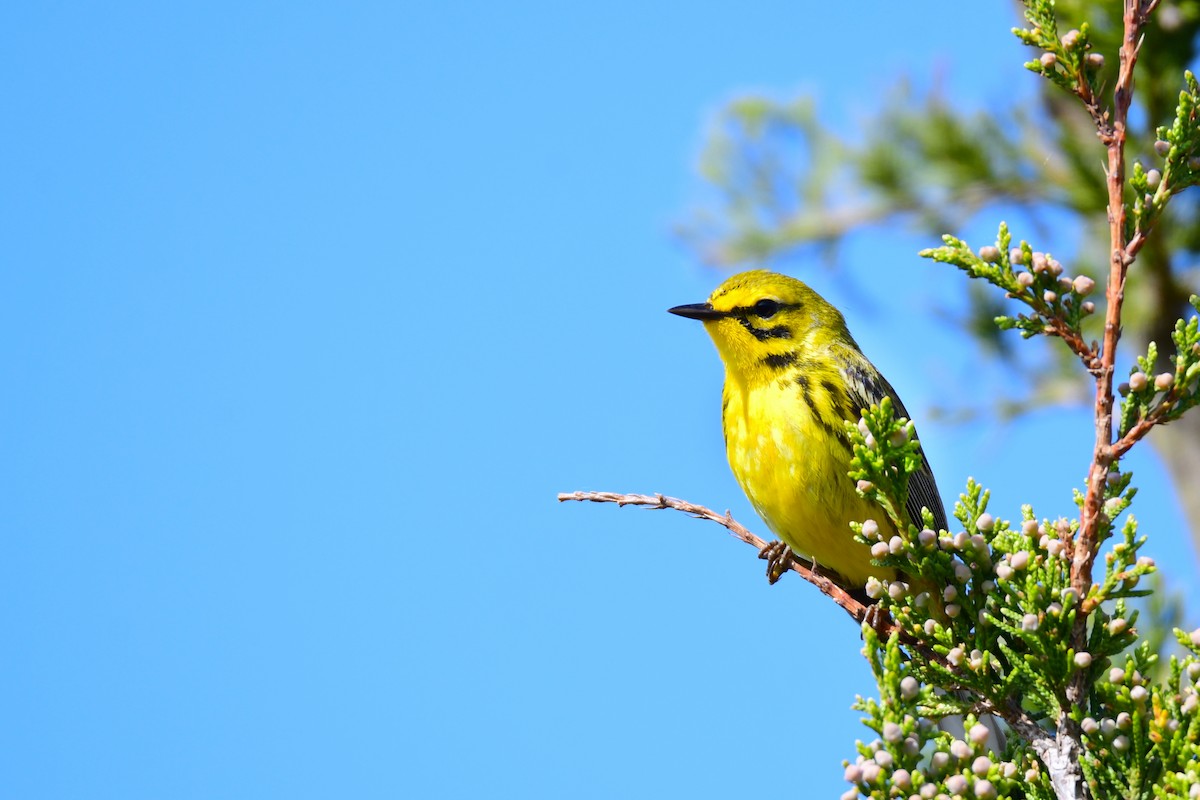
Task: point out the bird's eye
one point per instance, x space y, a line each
766 308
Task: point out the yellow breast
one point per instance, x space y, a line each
795 473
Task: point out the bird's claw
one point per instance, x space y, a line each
779 559
875 617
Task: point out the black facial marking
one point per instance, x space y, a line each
763 334
780 360
778 332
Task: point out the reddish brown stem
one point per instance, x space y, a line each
1113 134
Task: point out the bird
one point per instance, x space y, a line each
793 377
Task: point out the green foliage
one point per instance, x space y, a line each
899 762
1179 147
886 454
1056 301
1166 396
1066 61
990 610
1147 743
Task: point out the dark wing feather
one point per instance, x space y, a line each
866 388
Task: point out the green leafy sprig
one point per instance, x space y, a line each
1057 303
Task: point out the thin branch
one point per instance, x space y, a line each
1113 136
1057 326
1063 757
1159 415
824 580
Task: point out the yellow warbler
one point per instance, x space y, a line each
793 376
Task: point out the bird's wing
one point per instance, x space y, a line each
866 388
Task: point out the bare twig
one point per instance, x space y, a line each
1056 326
830 584
1159 415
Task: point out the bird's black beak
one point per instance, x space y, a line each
701 311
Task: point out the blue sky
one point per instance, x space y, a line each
306 315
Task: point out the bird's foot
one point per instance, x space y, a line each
779 559
876 617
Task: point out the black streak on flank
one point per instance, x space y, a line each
806 394
762 334
839 401
724 410
779 361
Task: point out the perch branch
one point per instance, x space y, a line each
823 580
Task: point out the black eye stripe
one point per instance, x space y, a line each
757 310
762 334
